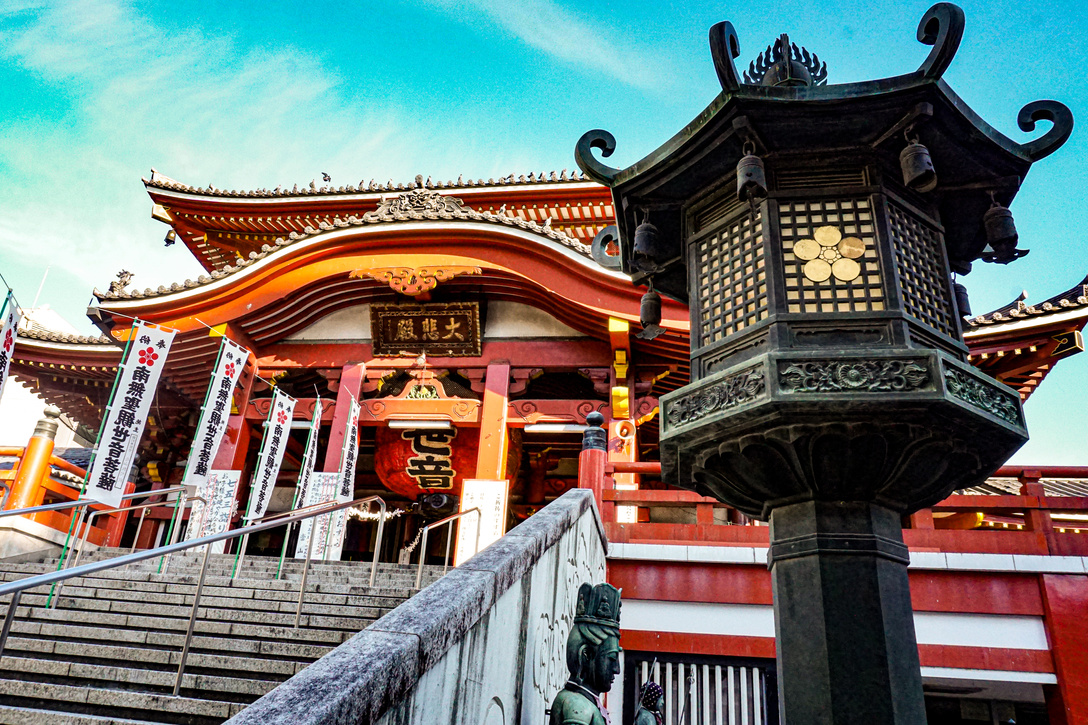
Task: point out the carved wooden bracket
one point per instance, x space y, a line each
413 282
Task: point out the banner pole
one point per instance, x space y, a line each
306 464
94 453
189 461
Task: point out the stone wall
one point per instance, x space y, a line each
483 645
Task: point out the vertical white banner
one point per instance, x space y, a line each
349 454
322 488
309 458
271 455
8 332
216 412
127 415
491 498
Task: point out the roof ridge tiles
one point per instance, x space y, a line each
1074 297
164 182
53 336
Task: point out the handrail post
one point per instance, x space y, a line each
449 538
15 596
305 571
139 526
422 555
192 619
377 541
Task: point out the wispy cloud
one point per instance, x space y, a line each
202 108
566 36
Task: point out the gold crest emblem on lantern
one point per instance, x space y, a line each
828 254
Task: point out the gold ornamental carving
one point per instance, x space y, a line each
413 282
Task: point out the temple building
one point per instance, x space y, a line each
494 311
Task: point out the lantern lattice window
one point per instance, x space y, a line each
731 278
801 223
922 278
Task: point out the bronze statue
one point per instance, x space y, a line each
593 657
651 705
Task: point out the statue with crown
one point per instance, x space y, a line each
593 657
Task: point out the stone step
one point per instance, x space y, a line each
116 702
161 582
174 624
292 650
10 715
232 689
155 657
114 599
177 617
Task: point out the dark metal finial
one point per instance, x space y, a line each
786 64
588 163
594 437
1053 111
724 47
941 27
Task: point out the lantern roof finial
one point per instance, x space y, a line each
785 64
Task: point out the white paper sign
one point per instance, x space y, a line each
271 455
322 489
491 498
128 413
336 535
213 418
214 517
8 332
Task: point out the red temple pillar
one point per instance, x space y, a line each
351 382
1065 602
491 456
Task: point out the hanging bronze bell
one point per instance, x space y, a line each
751 178
650 315
963 304
650 309
649 249
917 165
1001 235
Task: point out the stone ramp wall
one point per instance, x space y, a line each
483 645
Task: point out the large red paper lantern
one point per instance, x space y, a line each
412 462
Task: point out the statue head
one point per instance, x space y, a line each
653 697
593 647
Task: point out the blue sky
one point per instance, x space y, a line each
240 95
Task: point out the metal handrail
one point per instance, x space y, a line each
449 535
241 557
81 542
16 588
48 507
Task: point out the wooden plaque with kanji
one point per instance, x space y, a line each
449 329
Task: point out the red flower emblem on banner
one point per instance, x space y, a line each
282 417
9 339
230 370
148 356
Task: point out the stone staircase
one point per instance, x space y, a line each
109 652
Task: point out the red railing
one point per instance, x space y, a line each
46 489
1028 523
